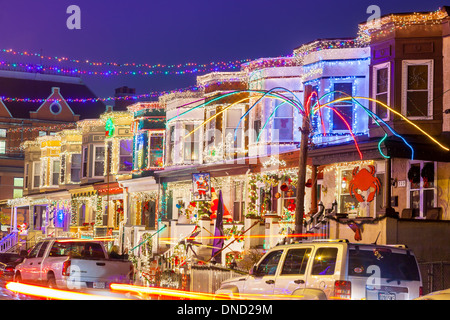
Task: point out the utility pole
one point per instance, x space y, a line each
301 181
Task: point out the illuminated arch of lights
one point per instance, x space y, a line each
310 111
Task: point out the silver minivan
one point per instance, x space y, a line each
331 269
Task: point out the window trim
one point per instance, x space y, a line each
375 68
94 160
345 104
34 175
421 187
404 92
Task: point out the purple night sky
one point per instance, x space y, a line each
179 31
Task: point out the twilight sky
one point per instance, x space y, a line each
179 31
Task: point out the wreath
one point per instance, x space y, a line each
427 173
414 174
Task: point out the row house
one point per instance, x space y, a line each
34 105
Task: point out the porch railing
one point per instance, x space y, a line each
9 243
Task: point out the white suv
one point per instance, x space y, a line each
331 269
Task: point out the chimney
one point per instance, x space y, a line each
122 93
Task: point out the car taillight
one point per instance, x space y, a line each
342 289
9 269
65 268
420 291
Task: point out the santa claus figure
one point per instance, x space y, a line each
202 187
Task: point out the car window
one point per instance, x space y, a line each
77 249
296 261
324 261
34 251
391 265
42 249
269 264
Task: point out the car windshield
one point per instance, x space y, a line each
392 266
77 249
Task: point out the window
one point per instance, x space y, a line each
85 161
156 150
77 249
27 171
36 174
191 144
171 151
239 201
324 261
211 129
99 160
55 172
33 253
2 146
75 167
256 129
42 249
347 203
395 266
283 122
345 107
296 261
125 155
18 188
381 89
269 264
422 191
417 89
2 133
233 116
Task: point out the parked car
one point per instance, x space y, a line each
333 269
72 264
437 295
7 270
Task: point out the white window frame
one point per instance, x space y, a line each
72 167
374 88
125 156
53 172
38 163
94 160
421 187
273 137
3 147
346 103
241 128
194 140
430 64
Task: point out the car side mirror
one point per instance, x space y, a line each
254 270
23 253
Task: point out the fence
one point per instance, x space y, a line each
435 276
208 278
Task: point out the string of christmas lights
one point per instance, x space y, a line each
144 69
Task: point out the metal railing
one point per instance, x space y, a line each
435 276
